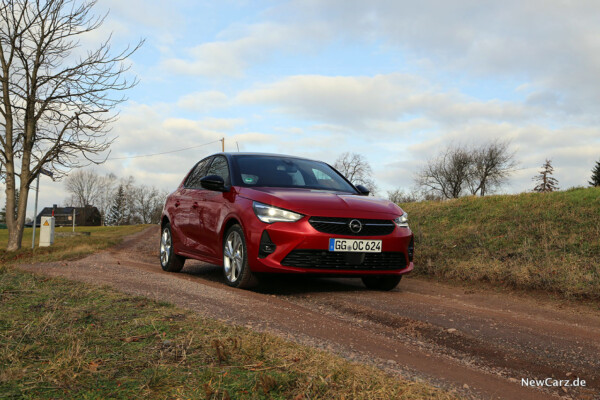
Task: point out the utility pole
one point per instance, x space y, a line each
37 191
223 144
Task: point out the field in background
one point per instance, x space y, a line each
65 248
547 241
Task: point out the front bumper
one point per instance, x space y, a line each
301 249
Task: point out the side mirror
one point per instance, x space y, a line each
363 190
214 182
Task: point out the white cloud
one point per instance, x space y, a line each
221 124
242 47
554 47
203 101
387 102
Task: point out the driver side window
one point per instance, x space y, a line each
199 172
219 167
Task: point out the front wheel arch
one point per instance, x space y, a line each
228 224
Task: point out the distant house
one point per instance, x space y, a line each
63 216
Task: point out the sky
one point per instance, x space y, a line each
396 81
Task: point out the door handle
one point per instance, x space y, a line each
195 205
177 203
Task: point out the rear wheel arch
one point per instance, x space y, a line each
163 222
169 260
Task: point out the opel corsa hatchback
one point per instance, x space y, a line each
266 213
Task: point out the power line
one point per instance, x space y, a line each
164 152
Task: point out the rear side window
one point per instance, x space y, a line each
219 167
199 172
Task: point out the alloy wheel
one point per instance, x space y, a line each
165 247
233 256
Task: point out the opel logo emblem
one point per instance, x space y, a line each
355 226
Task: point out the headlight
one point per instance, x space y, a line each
402 221
270 214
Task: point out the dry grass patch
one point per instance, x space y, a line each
63 339
65 248
546 241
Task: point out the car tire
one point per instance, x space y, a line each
382 282
169 261
235 259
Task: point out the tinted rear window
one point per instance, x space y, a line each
288 172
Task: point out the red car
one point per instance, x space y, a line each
264 213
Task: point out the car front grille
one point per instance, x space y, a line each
340 226
342 260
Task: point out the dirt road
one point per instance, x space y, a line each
481 342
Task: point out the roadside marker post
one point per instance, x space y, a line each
37 192
47 231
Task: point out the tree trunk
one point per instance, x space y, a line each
15 236
10 207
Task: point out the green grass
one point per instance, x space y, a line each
63 339
65 248
546 241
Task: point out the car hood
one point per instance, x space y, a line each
322 202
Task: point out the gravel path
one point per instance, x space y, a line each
479 342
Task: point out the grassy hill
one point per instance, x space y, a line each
547 241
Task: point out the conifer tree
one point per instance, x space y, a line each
595 175
117 210
545 182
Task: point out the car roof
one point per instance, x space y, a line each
237 154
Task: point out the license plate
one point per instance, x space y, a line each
355 245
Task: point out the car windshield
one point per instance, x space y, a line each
290 172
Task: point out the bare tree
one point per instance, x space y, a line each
491 165
157 207
545 182
128 206
136 204
357 170
56 104
105 188
458 170
400 196
149 204
84 186
145 198
447 174
107 194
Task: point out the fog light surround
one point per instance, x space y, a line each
266 246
